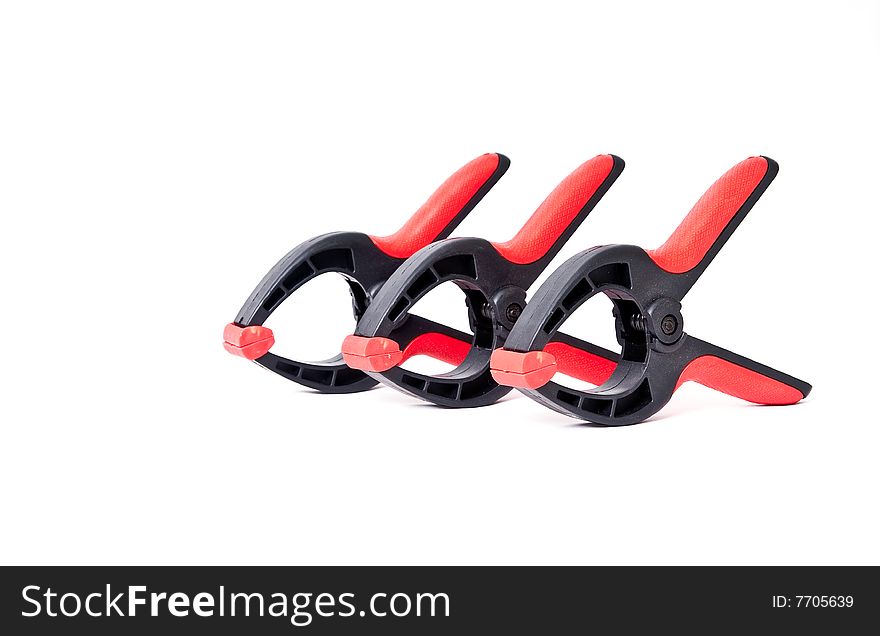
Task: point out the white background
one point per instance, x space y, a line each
157 158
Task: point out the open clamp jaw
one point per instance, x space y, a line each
646 288
494 278
366 262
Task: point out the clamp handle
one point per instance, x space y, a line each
564 209
709 224
736 375
446 208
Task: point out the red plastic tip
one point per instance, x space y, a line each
371 354
529 370
248 342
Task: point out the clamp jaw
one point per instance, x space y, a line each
365 262
494 278
646 288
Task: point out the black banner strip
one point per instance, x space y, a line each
429 600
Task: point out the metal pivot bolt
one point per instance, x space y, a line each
514 310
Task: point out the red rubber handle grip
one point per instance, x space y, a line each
558 211
703 225
738 381
446 208
438 346
579 364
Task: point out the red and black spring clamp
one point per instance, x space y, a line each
365 262
646 288
494 278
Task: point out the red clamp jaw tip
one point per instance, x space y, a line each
529 370
371 354
248 342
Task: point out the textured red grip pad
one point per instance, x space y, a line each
370 354
579 364
440 209
248 342
738 381
557 212
438 346
529 370
704 223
